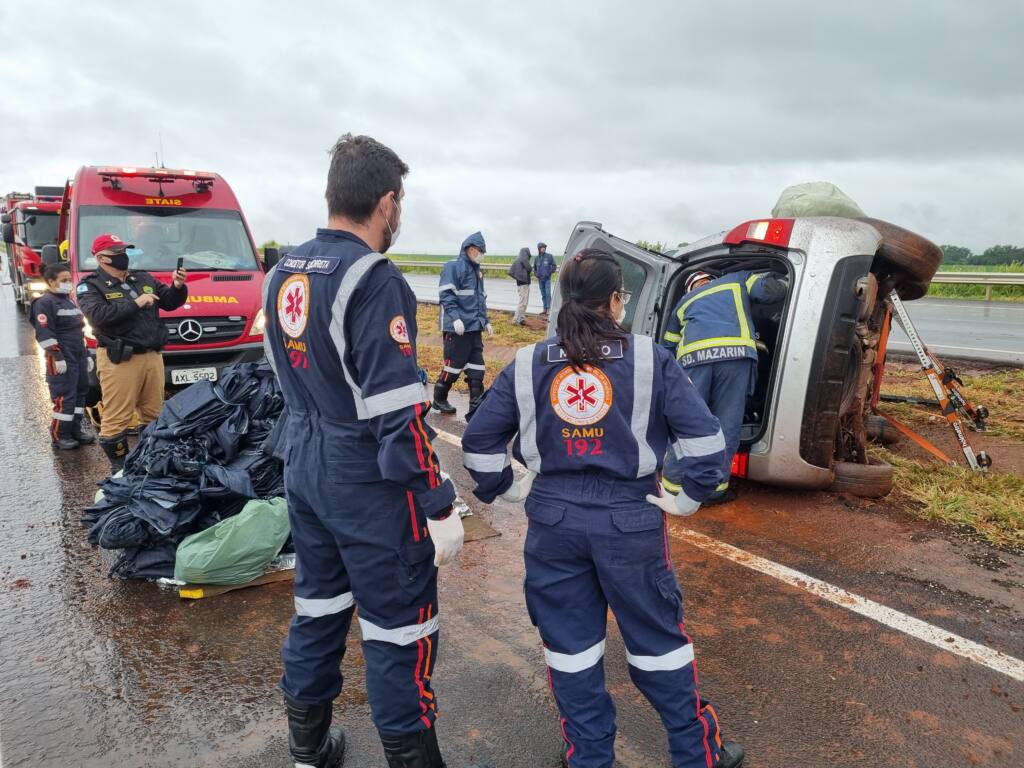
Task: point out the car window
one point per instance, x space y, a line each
634 276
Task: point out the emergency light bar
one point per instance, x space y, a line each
156 174
769 231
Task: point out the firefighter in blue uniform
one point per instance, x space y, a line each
711 333
591 411
369 507
463 321
58 323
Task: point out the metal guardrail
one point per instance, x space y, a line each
987 279
439 264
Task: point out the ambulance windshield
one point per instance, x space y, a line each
207 239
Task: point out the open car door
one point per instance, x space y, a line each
645 274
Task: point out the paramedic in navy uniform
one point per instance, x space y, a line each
370 509
591 411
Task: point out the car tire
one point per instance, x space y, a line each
905 255
881 431
869 481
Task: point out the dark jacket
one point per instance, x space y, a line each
521 269
545 266
109 306
461 290
58 325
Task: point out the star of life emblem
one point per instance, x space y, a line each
293 305
581 397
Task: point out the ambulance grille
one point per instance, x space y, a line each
212 330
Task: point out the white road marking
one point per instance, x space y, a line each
889 617
903 344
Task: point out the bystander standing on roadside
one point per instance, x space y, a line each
545 268
520 272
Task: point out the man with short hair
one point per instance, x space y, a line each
369 507
544 268
123 307
463 320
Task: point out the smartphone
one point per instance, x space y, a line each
181 262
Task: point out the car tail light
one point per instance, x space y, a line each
770 231
739 464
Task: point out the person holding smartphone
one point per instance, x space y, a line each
122 305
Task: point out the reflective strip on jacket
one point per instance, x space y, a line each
713 323
616 418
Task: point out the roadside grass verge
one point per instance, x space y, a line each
992 505
1001 391
977 292
505 333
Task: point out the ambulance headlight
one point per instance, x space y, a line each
259 324
37 288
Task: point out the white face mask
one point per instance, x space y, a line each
621 316
394 233
65 287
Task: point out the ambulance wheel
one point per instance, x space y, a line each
906 253
869 481
881 431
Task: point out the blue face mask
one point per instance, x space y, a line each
65 287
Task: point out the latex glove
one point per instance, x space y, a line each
460 327
519 489
447 535
680 505
490 329
60 366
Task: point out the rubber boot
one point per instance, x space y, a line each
65 444
723 496
82 430
476 396
441 403
312 741
732 755
413 750
116 448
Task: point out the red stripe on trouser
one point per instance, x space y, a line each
431 459
58 405
562 722
419 680
412 516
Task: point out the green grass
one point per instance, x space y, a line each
999 292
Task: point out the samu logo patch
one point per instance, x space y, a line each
581 397
293 305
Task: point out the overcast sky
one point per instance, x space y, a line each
661 120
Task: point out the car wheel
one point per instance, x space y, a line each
881 431
869 481
906 254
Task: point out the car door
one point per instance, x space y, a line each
645 275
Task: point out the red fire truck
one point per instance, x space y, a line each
169 214
29 223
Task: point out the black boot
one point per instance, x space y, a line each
82 430
476 393
732 755
116 448
441 403
413 750
65 443
312 740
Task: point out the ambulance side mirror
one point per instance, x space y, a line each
270 258
8 232
5 218
50 255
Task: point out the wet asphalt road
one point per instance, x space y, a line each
96 672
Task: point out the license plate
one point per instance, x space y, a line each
192 375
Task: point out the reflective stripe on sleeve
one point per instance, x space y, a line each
752 280
527 408
317 607
399 635
643 383
667 662
574 662
446 287
466 292
695 447
63 416
47 343
673 337
394 399
348 285
486 462
449 369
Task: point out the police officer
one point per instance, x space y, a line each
591 412
58 324
711 334
463 319
122 306
370 510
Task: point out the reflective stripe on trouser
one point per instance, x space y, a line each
360 545
589 547
462 354
129 387
724 387
67 391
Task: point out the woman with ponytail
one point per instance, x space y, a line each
590 412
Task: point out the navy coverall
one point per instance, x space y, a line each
711 334
58 323
361 476
596 438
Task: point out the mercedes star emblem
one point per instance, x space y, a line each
190 330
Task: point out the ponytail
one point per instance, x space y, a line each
587 283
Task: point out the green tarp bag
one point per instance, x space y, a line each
236 550
815 198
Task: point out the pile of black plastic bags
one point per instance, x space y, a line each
212 449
